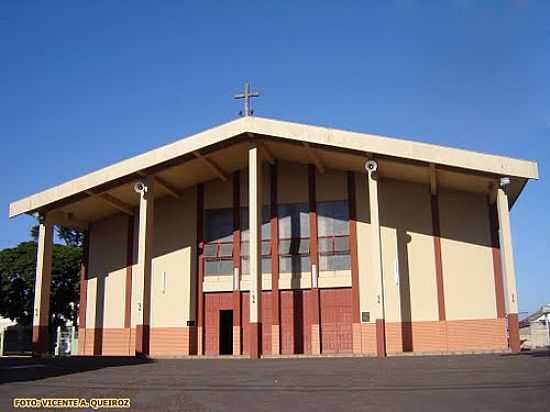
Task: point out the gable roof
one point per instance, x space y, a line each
361 142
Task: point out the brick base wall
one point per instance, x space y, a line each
434 336
121 341
171 341
419 337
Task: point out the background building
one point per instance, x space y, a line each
534 330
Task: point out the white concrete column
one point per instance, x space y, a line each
41 314
376 246
508 268
506 253
144 265
255 222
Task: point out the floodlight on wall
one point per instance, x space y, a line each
140 187
504 181
371 166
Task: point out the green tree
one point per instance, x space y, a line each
71 237
17 276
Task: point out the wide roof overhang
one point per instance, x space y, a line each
217 152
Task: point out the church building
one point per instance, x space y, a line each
265 238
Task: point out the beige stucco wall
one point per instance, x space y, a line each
331 185
405 213
174 257
408 252
266 188
107 273
468 275
218 194
292 183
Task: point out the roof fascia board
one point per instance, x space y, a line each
360 142
129 166
424 152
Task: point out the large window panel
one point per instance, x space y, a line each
294 238
334 241
218 250
333 218
218 267
294 264
293 220
266 223
218 225
266 257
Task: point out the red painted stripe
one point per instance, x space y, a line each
40 340
380 338
129 263
513 332
237 219
353 248
497 265
142 339
313 246
84 282
199 298
255 331
313 243
436 229
276 319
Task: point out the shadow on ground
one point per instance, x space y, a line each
540 353
20 369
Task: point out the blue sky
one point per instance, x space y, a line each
85 84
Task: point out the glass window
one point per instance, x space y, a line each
341 244
218 267
266 248
245 265
266 264
334 262
226 250
333 218
334 246
293 220
325 245
218 225
294 264
211 250
266 223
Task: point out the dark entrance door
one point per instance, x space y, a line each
226 332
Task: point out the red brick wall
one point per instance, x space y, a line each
171 341
336 318
295 322
266 322
447 336
214 302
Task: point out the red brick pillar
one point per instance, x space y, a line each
275 300
82 307
356 315
314 257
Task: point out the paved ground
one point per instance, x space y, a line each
471 383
